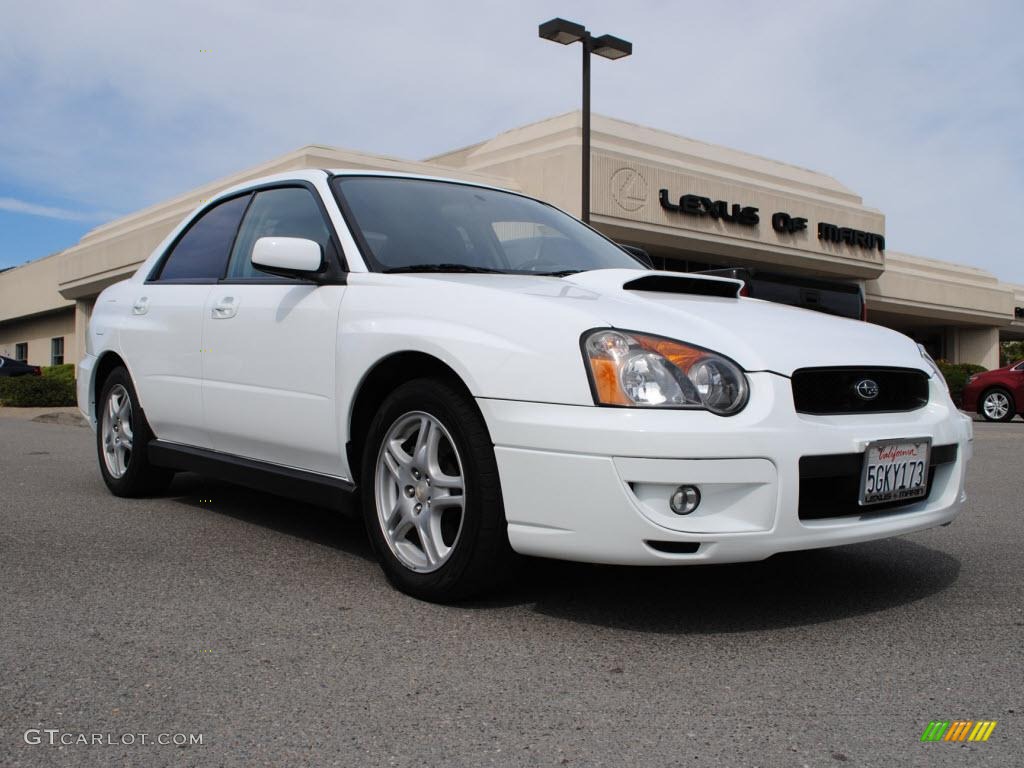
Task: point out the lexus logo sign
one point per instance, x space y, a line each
629 189
866 389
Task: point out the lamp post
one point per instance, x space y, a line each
566 32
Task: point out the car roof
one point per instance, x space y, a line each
314 175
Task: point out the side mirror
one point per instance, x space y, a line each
639 254
288 256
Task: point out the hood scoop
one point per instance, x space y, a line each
688 284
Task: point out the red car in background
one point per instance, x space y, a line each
997 395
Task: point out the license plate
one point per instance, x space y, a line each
895 470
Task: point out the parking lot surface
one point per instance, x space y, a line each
266 627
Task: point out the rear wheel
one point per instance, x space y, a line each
431 496
122 436
998 405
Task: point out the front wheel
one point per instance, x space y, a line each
122 436
431 496
997 405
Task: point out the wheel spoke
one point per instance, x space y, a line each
427 541
449 501
392 463
394 449
401 530
439 479
426 434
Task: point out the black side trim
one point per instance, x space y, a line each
693 286
283 481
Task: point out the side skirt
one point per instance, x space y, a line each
298 484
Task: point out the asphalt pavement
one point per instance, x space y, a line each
266 629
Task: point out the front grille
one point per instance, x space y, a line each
830 485
824 391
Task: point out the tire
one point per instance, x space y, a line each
997 405
120 420
439 477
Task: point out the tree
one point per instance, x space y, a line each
1011 352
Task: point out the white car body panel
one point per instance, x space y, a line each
164 345
276 381
269 373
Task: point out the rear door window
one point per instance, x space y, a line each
201 254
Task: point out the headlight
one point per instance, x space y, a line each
637 370
933 365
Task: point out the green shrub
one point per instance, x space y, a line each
956 376
1011 352
65 371
37 391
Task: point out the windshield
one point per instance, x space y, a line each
408 225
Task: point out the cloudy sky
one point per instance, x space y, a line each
108 107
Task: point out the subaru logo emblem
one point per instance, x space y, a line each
866 389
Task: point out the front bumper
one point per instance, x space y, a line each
83 388
592 484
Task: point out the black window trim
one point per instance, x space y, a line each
370 261
154 274
335 270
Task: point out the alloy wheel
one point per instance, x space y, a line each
420 492
996 406
117 431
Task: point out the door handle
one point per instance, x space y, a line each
225 308
141 306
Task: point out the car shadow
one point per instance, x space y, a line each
327 527
788 590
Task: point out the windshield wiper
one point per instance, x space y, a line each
561 273
443 268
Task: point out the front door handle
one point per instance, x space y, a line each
225 308
141 306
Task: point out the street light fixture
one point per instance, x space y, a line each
608 46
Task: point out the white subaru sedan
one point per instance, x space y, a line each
480 374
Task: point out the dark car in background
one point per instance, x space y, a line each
997 395
833 297
11 367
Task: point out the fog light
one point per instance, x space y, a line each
685 499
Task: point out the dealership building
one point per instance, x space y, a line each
691 205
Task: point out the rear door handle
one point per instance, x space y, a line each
225 308
141 306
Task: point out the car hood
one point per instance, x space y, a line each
759 335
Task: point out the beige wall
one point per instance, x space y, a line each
631 163
31 289
977 345
940 291
38 331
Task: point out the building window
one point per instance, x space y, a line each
21 352
57 351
